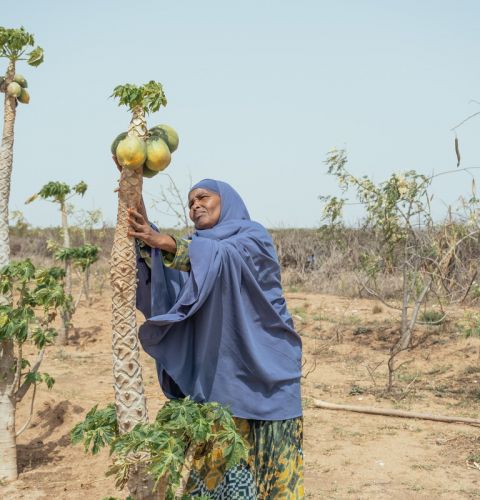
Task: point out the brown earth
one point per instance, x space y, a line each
347 455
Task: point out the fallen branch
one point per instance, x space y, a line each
317 403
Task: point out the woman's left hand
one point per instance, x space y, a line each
141 229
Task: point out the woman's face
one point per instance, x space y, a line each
204 208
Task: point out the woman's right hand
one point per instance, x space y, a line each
141 229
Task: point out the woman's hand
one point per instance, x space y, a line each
141 229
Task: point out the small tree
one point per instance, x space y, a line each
37 295
15 45
86 220
60 192
82 259
398 216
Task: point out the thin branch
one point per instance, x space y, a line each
19 395
27 423
466 120
375 294
469 286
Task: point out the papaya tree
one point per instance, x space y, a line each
82 258
15 45
36 296
60 192
130 401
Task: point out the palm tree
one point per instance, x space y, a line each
130 399
15 46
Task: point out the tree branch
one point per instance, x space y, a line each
27 423
22 390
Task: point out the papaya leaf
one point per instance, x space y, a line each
35 57
99 429
48 379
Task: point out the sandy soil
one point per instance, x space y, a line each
348 455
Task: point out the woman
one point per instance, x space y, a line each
219 330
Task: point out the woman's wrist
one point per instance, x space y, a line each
164 242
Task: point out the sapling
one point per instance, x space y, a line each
60 193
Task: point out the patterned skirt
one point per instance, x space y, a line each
274 469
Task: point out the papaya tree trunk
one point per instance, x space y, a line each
8 448
130 398
6 163
64 330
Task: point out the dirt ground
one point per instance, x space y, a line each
347 455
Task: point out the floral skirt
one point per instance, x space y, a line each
274 469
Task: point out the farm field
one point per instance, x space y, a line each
347 455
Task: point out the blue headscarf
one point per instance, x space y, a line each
222 332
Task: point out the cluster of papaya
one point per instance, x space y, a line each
154 154
17 88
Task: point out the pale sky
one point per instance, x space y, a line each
258 90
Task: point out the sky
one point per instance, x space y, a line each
259 92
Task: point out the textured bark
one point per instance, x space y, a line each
6 162
130 398
8 448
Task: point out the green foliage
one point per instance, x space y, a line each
470 325
58 192
82 257
432 316
14 44
149 97
390 205
98 430
162 445
36 295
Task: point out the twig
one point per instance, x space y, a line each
466 120
27 423
317 403
311 369
469 286
371 372
378 296
28 382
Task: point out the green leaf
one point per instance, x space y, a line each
35 57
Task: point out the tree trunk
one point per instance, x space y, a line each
8 448
64 330
86 286
6 162
130 399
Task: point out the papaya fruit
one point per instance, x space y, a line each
131 152
168 134
158 154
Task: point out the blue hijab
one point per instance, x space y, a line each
222 332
